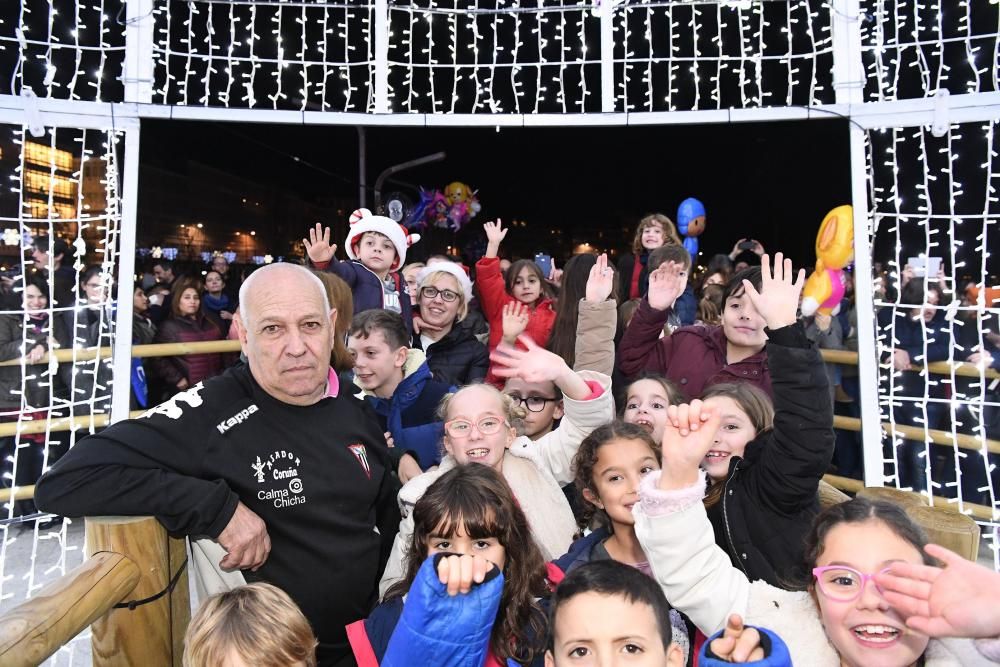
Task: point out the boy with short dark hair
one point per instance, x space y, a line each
606 611
685 306
396 381
609 613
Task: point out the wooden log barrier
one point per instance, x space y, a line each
34 630
152 631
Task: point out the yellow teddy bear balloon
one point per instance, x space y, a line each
824 289
457 193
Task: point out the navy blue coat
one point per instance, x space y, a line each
367 288
410 415
458 358
432 628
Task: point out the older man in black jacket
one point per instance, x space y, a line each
287 472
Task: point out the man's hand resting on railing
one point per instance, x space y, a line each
245 540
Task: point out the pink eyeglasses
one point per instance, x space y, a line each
842 583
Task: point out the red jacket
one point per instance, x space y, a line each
493 297
693 357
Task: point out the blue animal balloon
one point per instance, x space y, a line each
691 223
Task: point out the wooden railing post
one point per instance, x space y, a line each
151 633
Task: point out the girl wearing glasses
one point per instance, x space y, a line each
454 355
837 617
482 427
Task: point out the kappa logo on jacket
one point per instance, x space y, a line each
361 454
236 419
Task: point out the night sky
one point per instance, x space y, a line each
770 181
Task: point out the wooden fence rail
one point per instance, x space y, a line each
131 559
35 629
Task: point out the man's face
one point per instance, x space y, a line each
40 257
163 275
287 336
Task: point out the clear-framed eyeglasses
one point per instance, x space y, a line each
462 428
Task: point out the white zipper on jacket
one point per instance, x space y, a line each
725 519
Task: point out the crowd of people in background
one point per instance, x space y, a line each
641 440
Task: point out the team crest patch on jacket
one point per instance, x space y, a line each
361 454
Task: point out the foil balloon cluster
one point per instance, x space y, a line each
451 208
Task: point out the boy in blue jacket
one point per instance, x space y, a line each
396 381
377 247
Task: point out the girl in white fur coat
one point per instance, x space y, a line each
480 428
841 619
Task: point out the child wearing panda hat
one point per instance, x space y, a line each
377 245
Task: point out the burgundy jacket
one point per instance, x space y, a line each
194 367
692 357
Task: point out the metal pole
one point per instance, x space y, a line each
607 15
403 166
871 425
381 74
122 356
138 65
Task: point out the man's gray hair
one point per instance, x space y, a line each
252 279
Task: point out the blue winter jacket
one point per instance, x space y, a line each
367 288
410 415
775 652
431 628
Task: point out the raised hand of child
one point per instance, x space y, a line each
778 298
665 284
318 245
459 573
738 643
688 435
959 600
495 234
601 281
555 275
515 321
536 364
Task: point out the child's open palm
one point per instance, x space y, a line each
665 284
495 233
958 600
778 298
688 435
318 245
533 364
515 320
600 281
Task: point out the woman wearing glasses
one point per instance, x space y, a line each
454 355
842 612
482 426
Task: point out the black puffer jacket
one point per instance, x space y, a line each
769 499
458 358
